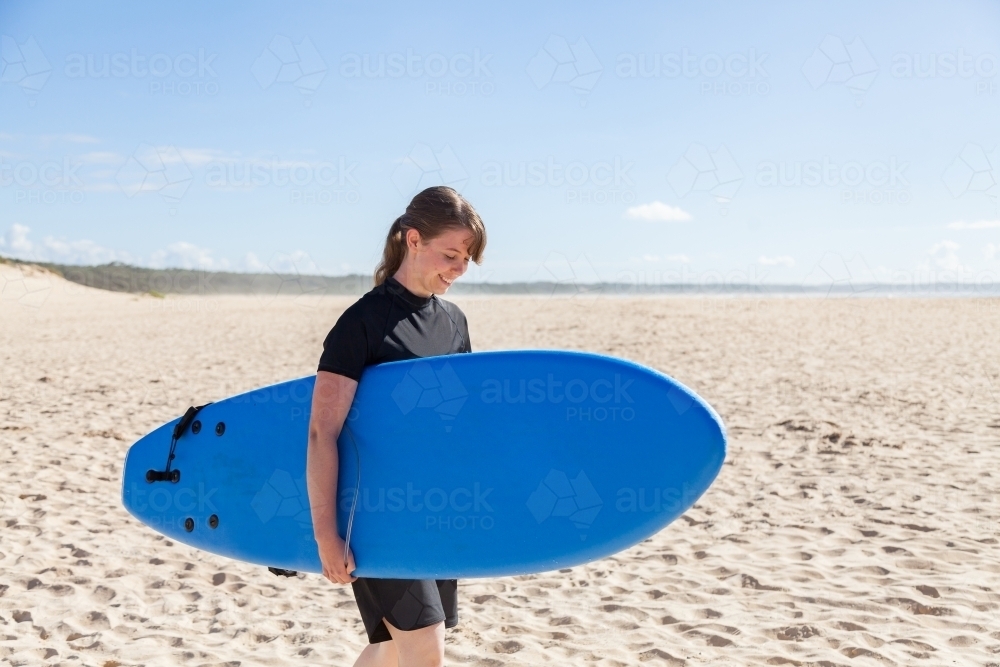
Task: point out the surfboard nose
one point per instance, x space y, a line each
147 453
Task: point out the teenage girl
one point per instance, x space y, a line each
426 250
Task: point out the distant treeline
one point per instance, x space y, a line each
118 277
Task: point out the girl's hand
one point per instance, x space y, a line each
331 555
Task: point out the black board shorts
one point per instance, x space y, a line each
408 604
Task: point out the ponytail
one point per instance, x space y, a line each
431 212
393 253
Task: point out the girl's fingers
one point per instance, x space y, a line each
350 567
339 573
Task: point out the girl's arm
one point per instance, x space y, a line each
332 398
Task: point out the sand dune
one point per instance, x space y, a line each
855 522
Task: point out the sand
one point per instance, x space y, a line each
854 523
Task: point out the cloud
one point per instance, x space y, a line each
251 263
81 139
991 251
60 250
197 157
297 261
69 138
836 271
651 258
101 157
15 242
658 211
778 260
976 224
184 255
945 256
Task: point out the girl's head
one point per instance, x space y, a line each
430 245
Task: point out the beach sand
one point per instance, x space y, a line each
854 523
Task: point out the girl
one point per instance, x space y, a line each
426 250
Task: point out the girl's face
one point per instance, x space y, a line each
435 264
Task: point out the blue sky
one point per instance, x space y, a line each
652 142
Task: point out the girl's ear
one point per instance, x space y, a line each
412 238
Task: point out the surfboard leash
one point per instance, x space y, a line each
277 571
357 490
168 475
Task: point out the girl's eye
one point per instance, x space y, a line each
451 256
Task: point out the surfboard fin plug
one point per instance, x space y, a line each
168 475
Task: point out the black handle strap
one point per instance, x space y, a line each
185 421
168 475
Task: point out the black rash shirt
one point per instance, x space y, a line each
390 323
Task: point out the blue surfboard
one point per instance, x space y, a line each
472 465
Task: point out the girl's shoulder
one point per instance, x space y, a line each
451 308
371 304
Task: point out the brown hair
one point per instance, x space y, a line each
431 212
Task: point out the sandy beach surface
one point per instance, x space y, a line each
854 523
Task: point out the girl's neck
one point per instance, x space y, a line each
405 278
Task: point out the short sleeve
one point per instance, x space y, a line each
465 332
462 324
346 350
